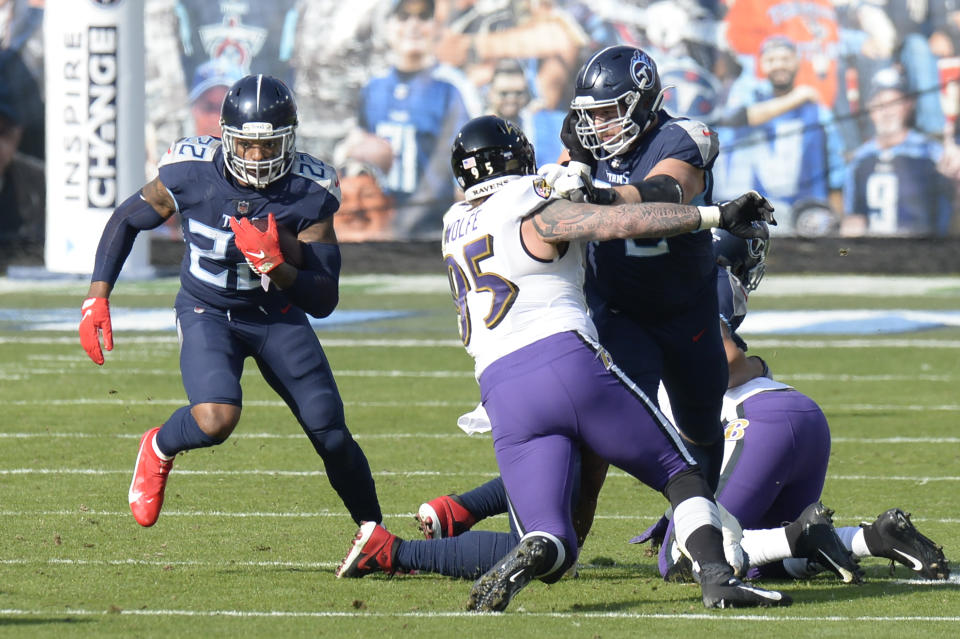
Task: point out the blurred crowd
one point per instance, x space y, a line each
842 112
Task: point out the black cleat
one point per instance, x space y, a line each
722 590
894 536
494 589
819 543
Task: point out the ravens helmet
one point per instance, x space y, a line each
258 119
486 151
745 259
620 77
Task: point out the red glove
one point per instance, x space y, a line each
96 318
261 248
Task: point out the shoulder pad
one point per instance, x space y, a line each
309 167
193 149
703 136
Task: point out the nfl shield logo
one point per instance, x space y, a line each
243 207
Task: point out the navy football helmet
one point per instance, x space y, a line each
745 259
258 110
623 77
486 151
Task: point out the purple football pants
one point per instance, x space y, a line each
546 399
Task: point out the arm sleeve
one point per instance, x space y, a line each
317 287
132 216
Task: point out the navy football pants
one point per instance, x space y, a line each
214 346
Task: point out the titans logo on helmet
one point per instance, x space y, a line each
642 70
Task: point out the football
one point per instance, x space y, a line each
289 245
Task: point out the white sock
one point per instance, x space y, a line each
766 545
156 449
852 538
691 514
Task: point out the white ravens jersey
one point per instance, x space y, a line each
505 297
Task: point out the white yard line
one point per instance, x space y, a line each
466 403
645 519
7 472
724 616
83 362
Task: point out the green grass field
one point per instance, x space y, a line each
251 531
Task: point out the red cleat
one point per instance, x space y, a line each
444 517
374 549
149 481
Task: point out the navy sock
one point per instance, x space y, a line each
486 500
466 556
181 432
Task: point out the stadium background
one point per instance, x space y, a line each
256 555
707 50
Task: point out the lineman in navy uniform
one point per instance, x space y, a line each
654 300
239 298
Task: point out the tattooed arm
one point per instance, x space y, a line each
546 232
565 221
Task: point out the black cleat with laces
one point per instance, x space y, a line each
893 535
819 543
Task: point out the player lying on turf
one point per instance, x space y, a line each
777 447
515 259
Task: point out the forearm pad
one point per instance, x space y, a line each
660 188
317 287
132 216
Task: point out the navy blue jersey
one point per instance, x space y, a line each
900 189
213 269
656 276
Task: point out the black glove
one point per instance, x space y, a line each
570 139
742 216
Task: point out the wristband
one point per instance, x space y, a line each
709 217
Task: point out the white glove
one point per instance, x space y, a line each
567 182
732 532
